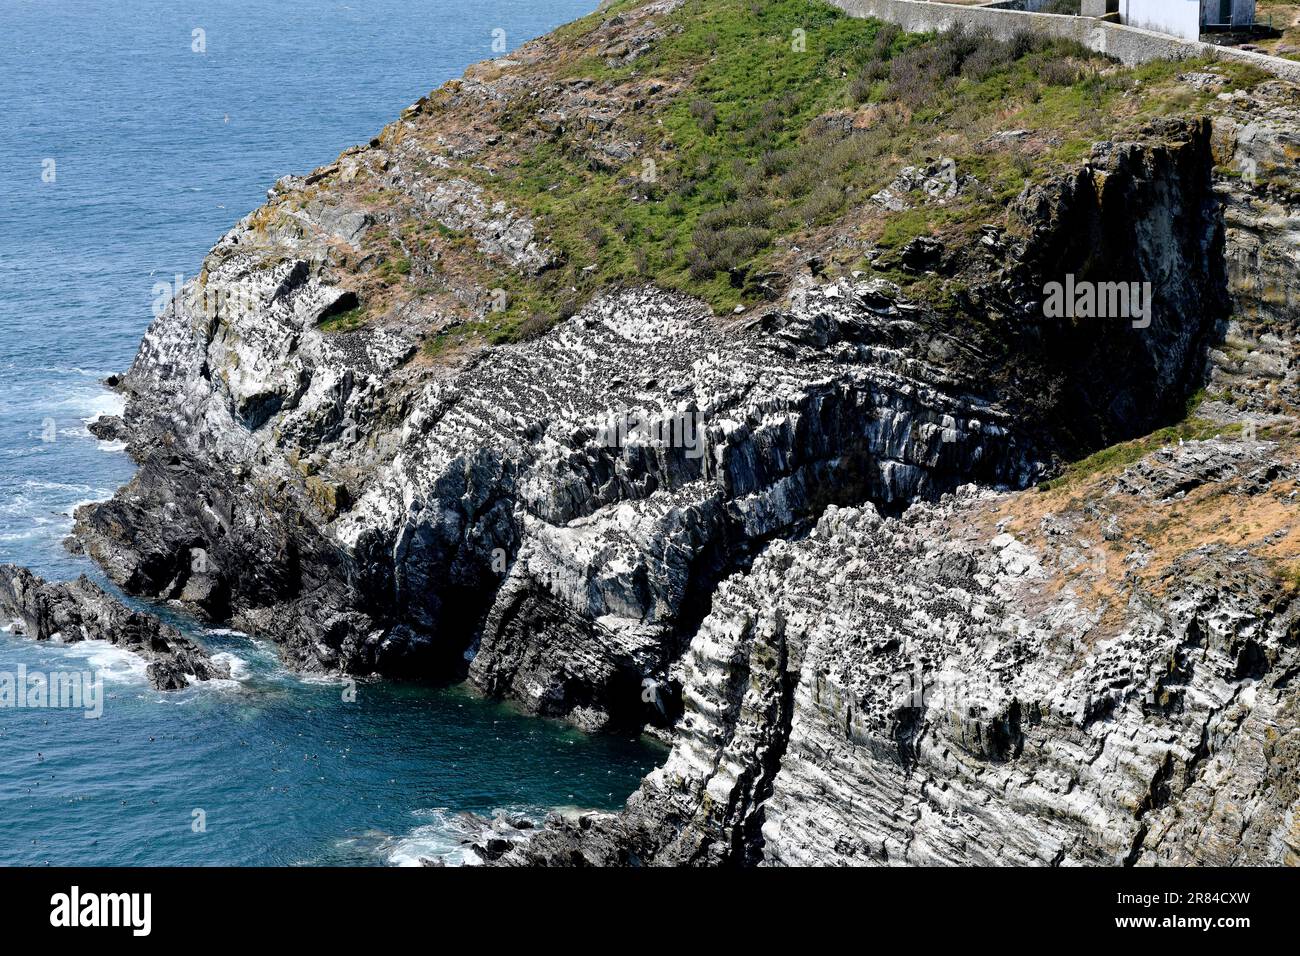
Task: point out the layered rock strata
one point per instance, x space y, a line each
938 689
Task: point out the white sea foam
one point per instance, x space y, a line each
327 679
45 508
26 520
37 495
86 402
103 402
438 840
238 666
114 663
71 510
446 834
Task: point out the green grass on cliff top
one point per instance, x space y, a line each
741 171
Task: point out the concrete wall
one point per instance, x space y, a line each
1181 18
1129 45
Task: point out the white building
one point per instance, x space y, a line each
1180 18
1186 18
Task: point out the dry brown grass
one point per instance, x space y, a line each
1286 18
1266 525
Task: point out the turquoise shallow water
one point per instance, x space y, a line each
156 151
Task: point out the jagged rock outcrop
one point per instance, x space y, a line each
80 610
935 689
108 428
1256 147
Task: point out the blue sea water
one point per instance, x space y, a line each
124 154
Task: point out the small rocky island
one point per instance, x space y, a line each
81 610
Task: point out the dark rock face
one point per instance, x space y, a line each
80 611
108 428
1136 212
1257 142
